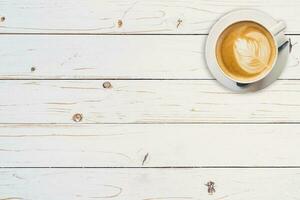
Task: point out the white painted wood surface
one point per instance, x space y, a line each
145 138
111 57
149 184
150 145
150 17
145 101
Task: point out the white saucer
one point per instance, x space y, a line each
233 17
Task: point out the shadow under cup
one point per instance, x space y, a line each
246 51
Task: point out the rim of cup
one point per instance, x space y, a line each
222 24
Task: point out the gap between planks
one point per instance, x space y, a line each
121 34
159 123
165 167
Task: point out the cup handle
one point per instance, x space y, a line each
278 33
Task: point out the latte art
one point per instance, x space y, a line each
252 55
245 51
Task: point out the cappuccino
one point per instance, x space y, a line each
246 51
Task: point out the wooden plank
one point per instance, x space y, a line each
111 57
131 16
155 145
145 101
149 184
102 57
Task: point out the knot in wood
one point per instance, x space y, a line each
2 19
211 187
77 117
120 23
107 84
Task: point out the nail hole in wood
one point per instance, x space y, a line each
32 69
77 117
210 187
107 85
120 23
2 19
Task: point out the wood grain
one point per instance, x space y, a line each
138 139
131 16
112 57
151 145
145 101
149 184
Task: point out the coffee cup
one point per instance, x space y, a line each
246 51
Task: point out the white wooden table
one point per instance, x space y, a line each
111 99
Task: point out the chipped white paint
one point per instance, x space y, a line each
131 16
149 184
149 145
72 46
103 57
145 101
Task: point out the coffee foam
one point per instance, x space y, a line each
245 51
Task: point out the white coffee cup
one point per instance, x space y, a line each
275 29
277 33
